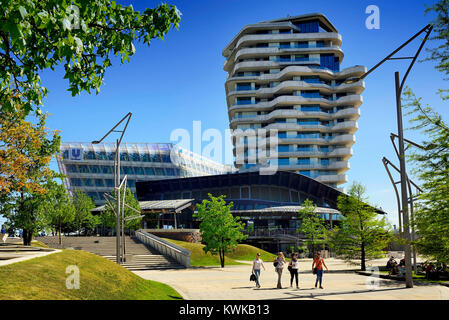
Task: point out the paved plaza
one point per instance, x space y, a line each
340 283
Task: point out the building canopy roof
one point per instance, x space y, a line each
160 206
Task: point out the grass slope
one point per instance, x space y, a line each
248 253
198 258
100 279
242 252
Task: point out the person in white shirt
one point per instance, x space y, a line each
257 263
293 267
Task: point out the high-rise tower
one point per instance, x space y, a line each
285 74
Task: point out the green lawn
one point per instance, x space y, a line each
242 252
100 279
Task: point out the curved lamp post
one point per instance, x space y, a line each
399 84
117 179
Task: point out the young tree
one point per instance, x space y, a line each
58 208
312 226
26 149
108 216
431 166
440 53
82 204
83 35
361 235
220 230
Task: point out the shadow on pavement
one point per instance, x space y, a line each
318 295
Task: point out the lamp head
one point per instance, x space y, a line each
95 142
352 80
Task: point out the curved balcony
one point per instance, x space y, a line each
247 53
252 39
333 178
350 114
354 71
353 99
293 85
340 152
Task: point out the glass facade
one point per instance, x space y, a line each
92 169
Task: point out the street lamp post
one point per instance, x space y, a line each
118 250
399 84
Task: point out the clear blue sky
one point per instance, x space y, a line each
181 79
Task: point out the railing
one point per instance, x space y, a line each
172 250
267 232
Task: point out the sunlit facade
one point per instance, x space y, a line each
285 74
90 167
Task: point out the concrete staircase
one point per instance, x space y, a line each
138 255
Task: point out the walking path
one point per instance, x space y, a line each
341 283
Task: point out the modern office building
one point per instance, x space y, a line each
268 205
90 167
285 74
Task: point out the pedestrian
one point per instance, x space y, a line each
257 263
317 268
293 267
279 262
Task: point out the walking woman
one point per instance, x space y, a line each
318 263
257 263
279 262
293 267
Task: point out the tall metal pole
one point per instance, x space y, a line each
404 199
117 189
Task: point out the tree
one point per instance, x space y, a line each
361 235
440 53
108 216
431 166
57 208
220 230
312 226
83 35
82 204
26 149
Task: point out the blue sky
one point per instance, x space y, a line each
177 81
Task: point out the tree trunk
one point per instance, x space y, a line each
363 265
27 237
60 235
222 257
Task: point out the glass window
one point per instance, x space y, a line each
76 182
89 155
138 170
155 158
106 169
160 172
135 157
245 192
83 168
149 171
124 156
88 182
94 169
102 156
128 170
71 168
109 183
145 157
99 183
131 183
